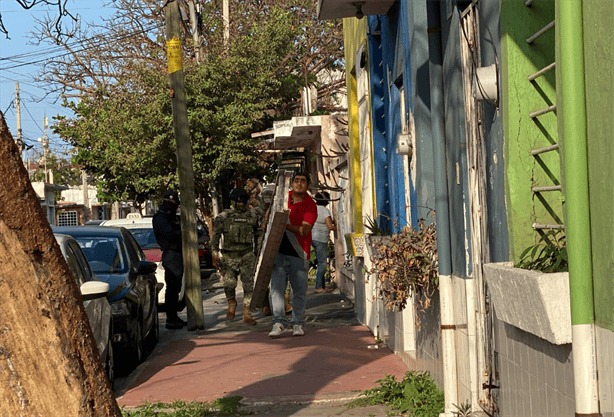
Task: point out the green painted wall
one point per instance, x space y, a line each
354 35
598 22
522 133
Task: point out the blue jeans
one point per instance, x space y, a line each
295 270
320 250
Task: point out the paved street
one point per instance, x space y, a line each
313 375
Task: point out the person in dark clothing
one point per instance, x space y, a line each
167 229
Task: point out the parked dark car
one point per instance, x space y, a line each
93 294
116 258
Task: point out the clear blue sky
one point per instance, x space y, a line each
18 64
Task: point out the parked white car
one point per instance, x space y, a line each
142 230
94 296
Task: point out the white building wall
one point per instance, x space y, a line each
75 195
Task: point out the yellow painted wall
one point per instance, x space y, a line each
354 35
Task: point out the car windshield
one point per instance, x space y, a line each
104 254
145 238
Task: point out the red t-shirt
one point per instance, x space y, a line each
305 210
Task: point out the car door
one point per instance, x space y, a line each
145 284
97 310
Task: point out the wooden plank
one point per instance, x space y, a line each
272 238
264 267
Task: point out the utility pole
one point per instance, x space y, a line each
196 319
195 30
86 197
18 111
87 210
45 142
226 14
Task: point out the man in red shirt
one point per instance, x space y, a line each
292 260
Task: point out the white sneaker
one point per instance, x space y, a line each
297 330
278 329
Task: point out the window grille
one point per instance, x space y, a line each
68 218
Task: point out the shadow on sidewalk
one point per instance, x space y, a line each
335 360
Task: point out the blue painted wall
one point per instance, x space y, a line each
420 101
454 110
378 121
399 57
490 47
390 33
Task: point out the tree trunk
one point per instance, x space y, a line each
49 362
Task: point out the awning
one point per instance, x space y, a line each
337 9
299 132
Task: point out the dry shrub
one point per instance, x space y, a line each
406 264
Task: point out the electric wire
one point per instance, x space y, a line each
99 43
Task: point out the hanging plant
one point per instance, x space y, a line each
405 264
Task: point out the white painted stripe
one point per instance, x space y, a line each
448 345
585 369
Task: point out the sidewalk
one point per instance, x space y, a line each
315 374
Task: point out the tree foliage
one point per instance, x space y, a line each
122 128
63 171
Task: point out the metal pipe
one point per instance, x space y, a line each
539 226
528 2
546 188
542 111
578 228
434 20
546 149
541 72
541 32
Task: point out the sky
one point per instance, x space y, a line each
18 63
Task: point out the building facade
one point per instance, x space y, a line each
497 117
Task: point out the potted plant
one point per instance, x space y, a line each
354 243
549 254
375 235
405 264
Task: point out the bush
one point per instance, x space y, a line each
417 394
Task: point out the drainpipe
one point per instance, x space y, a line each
441 207
577 226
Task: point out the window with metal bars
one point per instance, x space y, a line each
68 218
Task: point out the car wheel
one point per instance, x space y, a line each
109 364
137 348
154 334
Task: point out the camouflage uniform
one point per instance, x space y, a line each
240 230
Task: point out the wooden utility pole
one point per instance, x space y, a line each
196 319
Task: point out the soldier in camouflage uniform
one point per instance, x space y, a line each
239 226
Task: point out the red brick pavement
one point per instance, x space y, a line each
324 363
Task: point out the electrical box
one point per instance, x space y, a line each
486 84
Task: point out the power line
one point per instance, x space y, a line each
99 39
32 117
11 104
